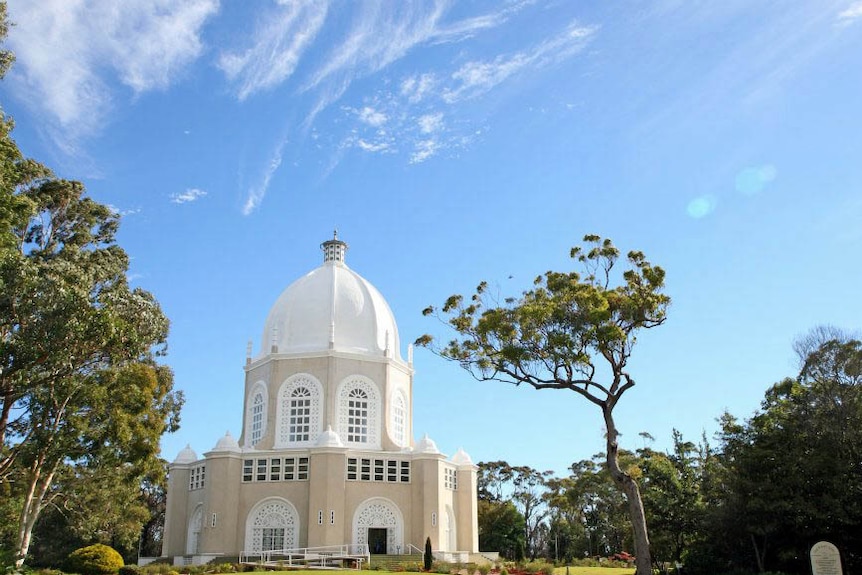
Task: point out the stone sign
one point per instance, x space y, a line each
825 559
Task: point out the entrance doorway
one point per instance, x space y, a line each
377 541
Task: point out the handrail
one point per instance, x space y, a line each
357 551
411 548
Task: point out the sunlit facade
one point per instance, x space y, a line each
326 455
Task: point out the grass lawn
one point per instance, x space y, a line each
595 571
557 571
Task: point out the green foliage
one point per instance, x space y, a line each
790 474
129 570
427 556
81 393
501 527
95 559
573 331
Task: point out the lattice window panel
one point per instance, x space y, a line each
398 421
256 416
299 411
258 413
359 413
275 521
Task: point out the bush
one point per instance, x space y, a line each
483 569
96 559
130 570
427 557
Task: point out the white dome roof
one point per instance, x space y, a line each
461 458
329 439
186 455
331 307
426 445
226 443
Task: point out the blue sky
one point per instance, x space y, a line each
455 142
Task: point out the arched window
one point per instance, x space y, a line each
299 411
398 419
273 525
299 415
256 415
358 414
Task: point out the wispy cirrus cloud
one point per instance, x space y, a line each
257 192
477 77
413 114
71 54
278 46
190 195
851 14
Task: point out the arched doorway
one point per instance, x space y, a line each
378 523
272 525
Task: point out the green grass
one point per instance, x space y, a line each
557 571
595 571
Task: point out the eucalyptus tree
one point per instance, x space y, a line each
79 381
572 332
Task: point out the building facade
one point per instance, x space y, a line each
326 456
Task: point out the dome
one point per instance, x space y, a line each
331 308
186 455
226 443
329 439
427 445
461 458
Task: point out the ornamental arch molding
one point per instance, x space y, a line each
379 513
193 534
359 412
299 414
398 418
256 413
451 529
271 524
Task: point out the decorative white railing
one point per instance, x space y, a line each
329 555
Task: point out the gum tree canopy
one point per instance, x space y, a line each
570 331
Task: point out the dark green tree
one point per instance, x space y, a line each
501 527
673 486
792 474
427 557
571 331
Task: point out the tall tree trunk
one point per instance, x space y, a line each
643 560
32 507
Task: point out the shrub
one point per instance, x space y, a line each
129 570
484 569
504 571
427 557
96 559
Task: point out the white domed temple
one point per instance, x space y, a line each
326 464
